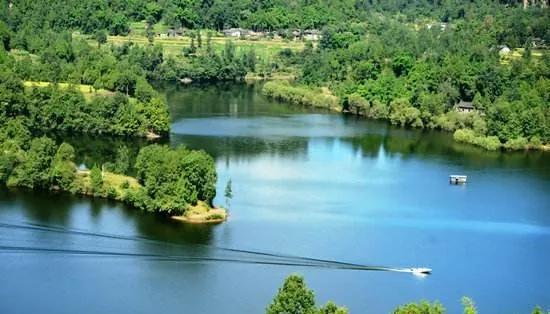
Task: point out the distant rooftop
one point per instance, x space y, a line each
465 104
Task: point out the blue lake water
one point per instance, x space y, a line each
305 183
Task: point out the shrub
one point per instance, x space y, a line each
125 185
404 114
535 141
298 95
516 143
379 110
215 217
469 136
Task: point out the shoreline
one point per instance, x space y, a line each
331 106
202 213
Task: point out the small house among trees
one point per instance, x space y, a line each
312 34
235 32
465 106
175 32
504 50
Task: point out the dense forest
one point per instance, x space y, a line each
417 77
410 62
101 92
115 16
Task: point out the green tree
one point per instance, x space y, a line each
122 162
34 171
5 36
96 180
101 37
199 39
423 307
251 60
469 306
331 308
539 310
294 297
63 170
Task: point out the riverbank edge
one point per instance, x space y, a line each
200 213
89 92
214 215
334 105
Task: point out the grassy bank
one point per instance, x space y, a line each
467 127
88 91
301 95
265 48
202 213
122 188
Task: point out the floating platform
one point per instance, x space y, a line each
458 179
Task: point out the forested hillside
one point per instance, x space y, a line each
417 75
411 62
115 16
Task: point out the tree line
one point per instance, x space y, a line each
105 92
168 180
295 297
390 60
415 76
115 16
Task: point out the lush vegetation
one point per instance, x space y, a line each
414 72
90 92
297 95
294 297
169 181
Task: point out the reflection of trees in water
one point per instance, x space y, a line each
436 145
92 151
43 206
55 209
222 98
239 148
164 229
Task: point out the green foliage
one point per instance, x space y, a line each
423 307
16 130
122 162
174 179
331 308
516 143
63 170
469 136
96 180
469 306
34 170
5 36
298 95
294 297
125 185
358 104
404 114
101 37
10 155
539 310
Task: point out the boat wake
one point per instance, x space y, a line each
224 255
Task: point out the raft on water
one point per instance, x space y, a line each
457 179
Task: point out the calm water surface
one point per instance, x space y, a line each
305 183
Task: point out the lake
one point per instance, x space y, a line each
306 183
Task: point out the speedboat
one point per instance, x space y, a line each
421 271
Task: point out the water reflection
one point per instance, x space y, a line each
309 184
